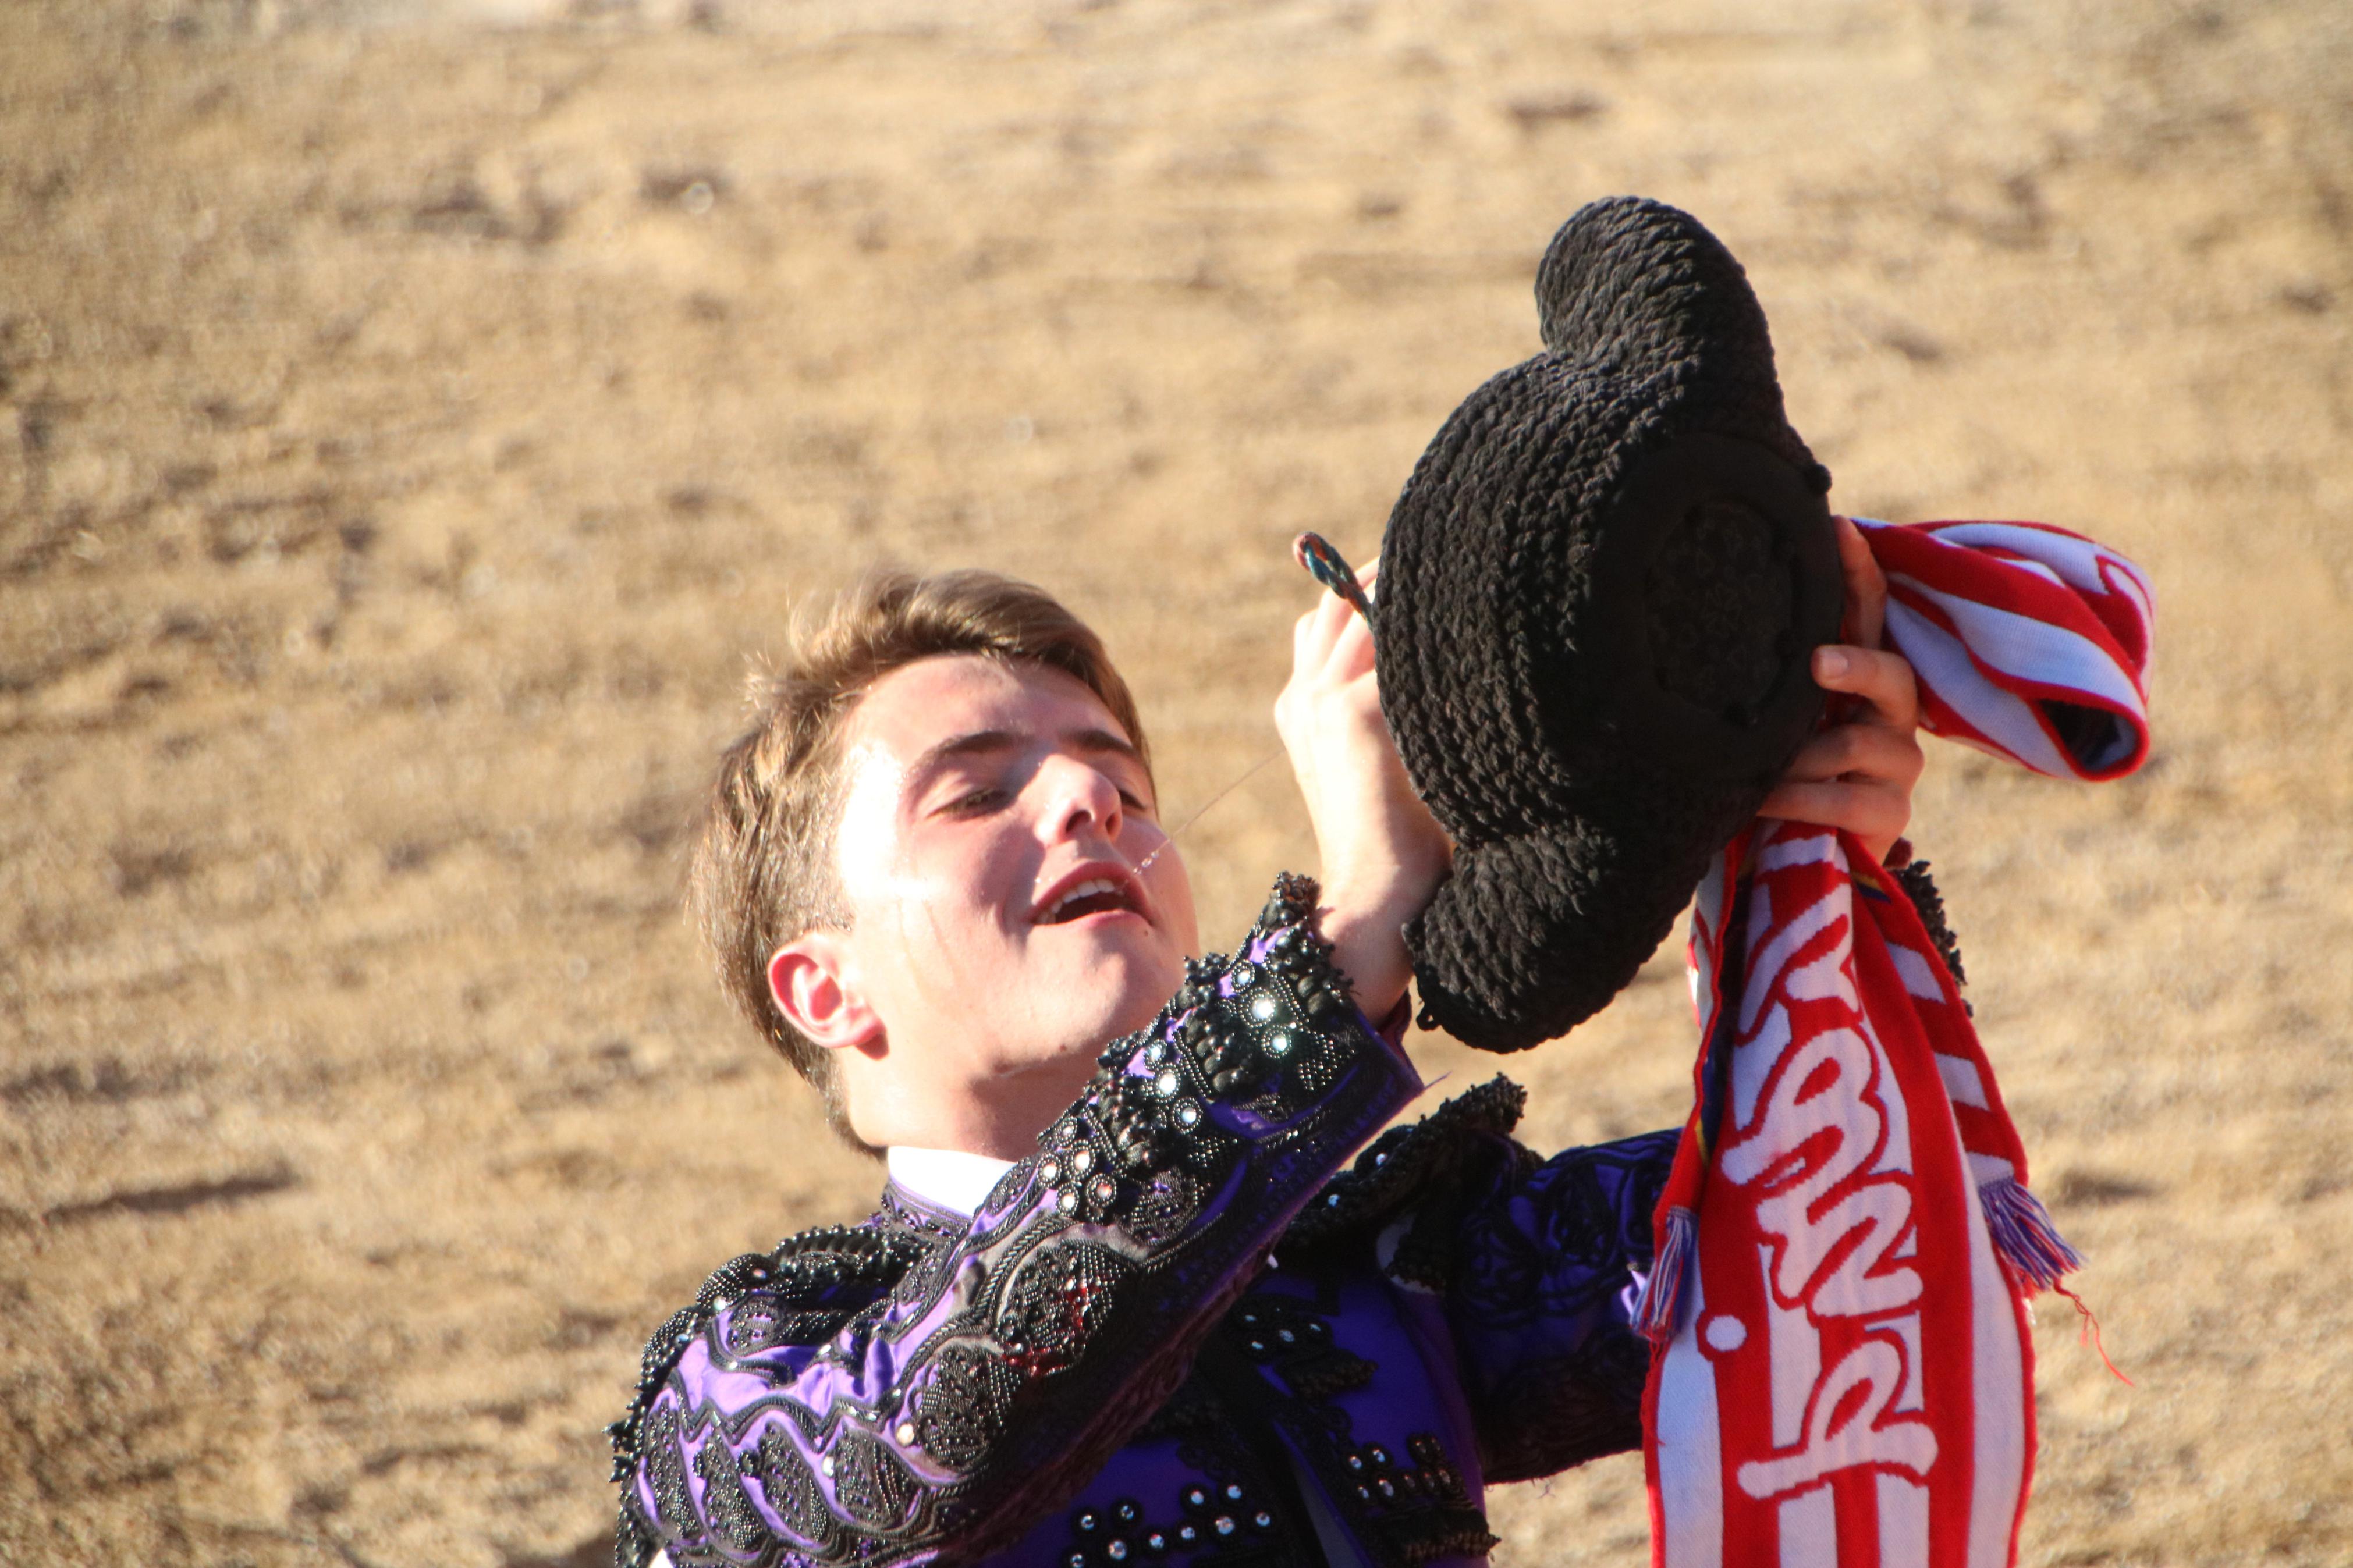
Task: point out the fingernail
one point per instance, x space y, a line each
1829 664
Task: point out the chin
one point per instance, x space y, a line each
1133 988
1130 961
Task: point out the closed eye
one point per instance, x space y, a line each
976 802
979 802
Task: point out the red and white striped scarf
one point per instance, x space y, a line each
1844 1376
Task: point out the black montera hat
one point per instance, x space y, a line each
1599 595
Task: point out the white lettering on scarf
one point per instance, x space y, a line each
1809 1119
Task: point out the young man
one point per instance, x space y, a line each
1116 1305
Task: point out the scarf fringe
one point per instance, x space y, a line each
2022 1233
1660 1309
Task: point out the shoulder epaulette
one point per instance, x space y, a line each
817 1282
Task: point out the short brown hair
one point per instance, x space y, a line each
764 869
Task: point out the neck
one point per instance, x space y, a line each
999 1115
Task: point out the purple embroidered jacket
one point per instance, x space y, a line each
1104 1365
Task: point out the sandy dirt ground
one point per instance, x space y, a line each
415 415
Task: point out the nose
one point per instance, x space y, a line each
1077 798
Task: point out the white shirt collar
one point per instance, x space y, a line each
945 1178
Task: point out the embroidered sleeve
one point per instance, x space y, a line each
1000 1372
1542 1285
1533 1259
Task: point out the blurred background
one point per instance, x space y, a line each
413 414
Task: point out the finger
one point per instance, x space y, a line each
1883 680
1867 586
1302 644
1320 628
1331 647
1875 814
1868 753
1341 644
1351 649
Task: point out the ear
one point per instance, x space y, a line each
814 980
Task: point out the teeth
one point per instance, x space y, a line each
1084 890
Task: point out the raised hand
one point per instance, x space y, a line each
1383 855
1858 773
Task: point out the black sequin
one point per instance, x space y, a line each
1059 1301
666 1472
724 1503
966 1407
872 1487
790 1488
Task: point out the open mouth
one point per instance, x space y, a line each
1096 896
